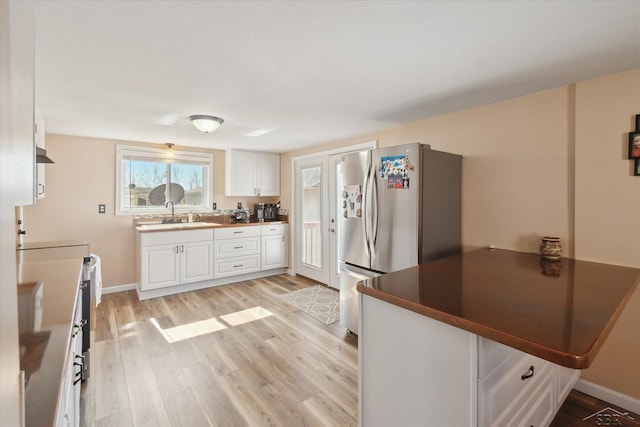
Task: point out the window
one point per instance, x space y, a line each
147 179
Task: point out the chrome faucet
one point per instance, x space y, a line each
173 219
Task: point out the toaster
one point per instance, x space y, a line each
240 215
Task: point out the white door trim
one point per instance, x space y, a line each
368 145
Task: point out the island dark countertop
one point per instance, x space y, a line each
561 311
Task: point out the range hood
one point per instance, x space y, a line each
41 156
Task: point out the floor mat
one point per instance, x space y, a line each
317 301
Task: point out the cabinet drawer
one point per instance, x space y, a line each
491 354
236 232
235 247
541 406
233 266
182 236
275 229
505 389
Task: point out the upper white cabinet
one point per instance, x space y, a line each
21 99
251 173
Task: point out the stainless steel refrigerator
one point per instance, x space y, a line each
398 207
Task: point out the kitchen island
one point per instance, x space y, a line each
489 337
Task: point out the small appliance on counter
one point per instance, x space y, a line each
240 215
271 211
258 211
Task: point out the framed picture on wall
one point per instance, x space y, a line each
637 122
636 168
634 145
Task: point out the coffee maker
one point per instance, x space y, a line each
258 211
271 211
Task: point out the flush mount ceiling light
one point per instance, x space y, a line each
206 124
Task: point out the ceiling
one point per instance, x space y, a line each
308 72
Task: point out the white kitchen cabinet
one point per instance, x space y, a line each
160 266
274 247
68 411
21 100
251 173
236 251
174 257
506 395
449 376
196 261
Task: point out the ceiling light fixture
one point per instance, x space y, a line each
206 124
170 152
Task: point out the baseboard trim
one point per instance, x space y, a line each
160 292
622 400
291 272
118 288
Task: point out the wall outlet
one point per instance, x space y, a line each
215 206
102 208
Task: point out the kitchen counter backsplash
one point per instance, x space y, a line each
217 216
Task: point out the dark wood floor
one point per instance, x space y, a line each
234 355
582 410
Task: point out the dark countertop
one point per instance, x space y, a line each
44 344
561 311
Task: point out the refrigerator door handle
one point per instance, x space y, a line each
365 212
374 208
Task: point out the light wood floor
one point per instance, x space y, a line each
285 369
150 368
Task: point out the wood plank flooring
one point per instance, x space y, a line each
181 361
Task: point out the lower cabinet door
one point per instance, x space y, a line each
197 261
160 266
274 252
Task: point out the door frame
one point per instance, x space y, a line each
294 234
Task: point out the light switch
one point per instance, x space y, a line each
102 208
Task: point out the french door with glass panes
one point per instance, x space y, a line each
316 240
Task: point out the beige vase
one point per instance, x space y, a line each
550 247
